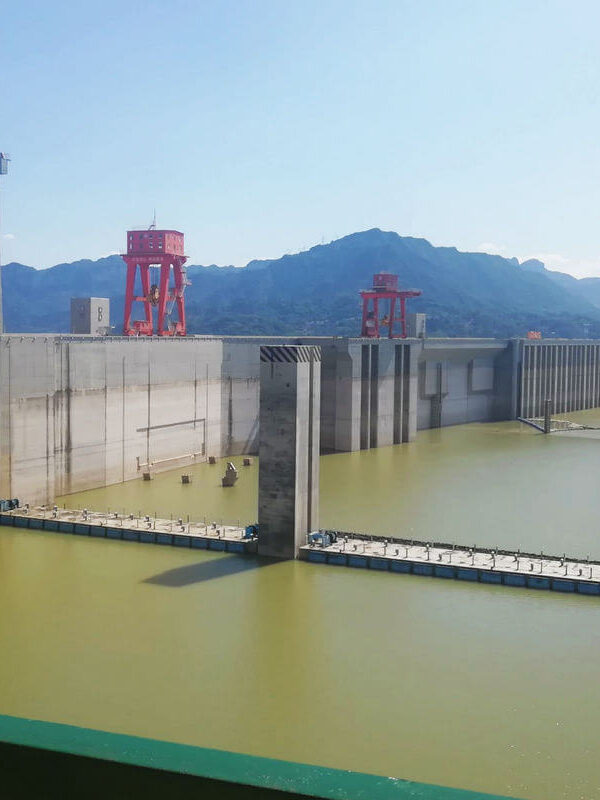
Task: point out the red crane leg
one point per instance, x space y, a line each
392 312
365 311
403 316
180 328
376 313
131 269
145 276
163 296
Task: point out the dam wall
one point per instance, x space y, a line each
368 393
463 380
565 371
80 412
378 393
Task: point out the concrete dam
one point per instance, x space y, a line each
79 412
289 424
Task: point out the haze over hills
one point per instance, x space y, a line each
316 292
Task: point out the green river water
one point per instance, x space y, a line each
481 687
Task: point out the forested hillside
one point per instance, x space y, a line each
316 292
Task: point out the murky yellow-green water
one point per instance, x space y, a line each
486 688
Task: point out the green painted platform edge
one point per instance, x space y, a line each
222 765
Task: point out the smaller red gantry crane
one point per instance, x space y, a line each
385 287
155 251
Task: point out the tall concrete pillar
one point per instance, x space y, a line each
373 388
340 396
365 397
511 382
547 415
5 421
398 391
438 398
409 405
384 382
289 422
562 385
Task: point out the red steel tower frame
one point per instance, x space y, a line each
385 287
149 249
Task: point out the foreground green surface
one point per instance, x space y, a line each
219 765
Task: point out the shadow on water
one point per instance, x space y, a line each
208 570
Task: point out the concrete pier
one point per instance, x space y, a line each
369 392
288 478
380 392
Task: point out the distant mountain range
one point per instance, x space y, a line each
316 292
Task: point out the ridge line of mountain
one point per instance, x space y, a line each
316 291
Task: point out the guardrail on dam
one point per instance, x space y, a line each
81 412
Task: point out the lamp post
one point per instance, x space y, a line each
4 159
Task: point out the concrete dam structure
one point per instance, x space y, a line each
568 373
80 412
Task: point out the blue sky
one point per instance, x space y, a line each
262 127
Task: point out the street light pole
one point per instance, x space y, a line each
4 159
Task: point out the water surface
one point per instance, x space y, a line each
481 687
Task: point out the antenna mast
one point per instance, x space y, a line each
4 159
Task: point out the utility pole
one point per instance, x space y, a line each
4 159
548 416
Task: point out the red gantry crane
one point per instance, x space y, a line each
156 253
385 287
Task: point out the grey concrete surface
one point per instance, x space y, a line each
457 381
90 315
82 412
288 477
564 371
78 412
416 326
